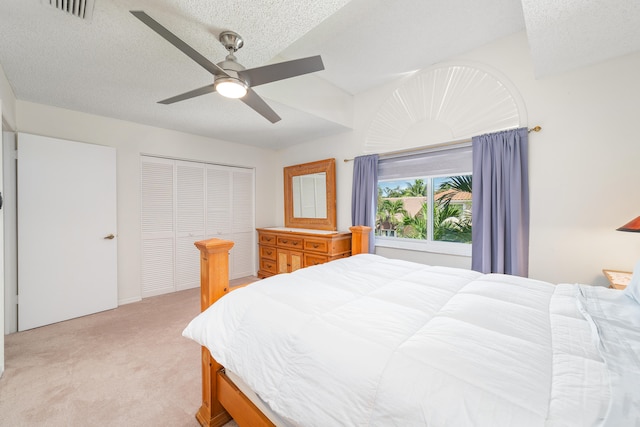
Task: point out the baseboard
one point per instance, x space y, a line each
129 300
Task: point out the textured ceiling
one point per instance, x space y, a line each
568 34
369 42
113 65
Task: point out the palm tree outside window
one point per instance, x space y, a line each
426 208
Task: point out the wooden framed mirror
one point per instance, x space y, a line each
310 195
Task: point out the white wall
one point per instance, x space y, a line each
8 119
7 101
131 140
10 232
1 261
583 163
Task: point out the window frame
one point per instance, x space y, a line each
428 244
445 248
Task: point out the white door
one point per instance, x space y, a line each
67 259
2 325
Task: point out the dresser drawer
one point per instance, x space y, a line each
267 239
284 251
311 259
317 245
290 242
268 252
268 265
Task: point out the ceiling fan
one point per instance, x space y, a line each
230 79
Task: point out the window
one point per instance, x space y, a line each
424 201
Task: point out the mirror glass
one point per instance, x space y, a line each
310 195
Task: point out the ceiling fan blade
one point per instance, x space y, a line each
282 70
174 40
191 94
253 100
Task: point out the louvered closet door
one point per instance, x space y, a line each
243 223
230 215
219 213
183 202
218 202
157 224
190 222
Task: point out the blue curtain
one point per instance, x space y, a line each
364 196
500 211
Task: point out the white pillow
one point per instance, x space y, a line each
633 288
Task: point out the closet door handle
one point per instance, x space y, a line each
109 237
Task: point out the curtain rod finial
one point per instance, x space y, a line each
535 129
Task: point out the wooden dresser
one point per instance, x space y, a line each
283 250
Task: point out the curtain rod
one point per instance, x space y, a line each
443 144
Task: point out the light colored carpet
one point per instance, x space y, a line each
124 367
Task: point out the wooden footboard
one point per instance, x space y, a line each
214 283
221 399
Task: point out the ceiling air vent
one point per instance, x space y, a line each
80 8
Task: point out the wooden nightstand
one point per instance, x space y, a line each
617 279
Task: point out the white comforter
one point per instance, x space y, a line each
370 341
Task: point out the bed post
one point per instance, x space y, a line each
214 283
359 239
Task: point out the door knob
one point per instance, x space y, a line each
109 237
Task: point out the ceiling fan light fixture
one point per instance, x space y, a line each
230 87
230 78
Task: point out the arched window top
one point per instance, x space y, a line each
445 103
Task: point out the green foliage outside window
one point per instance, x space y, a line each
451 209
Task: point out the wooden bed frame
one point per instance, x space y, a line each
221 399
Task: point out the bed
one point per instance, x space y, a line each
372 341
